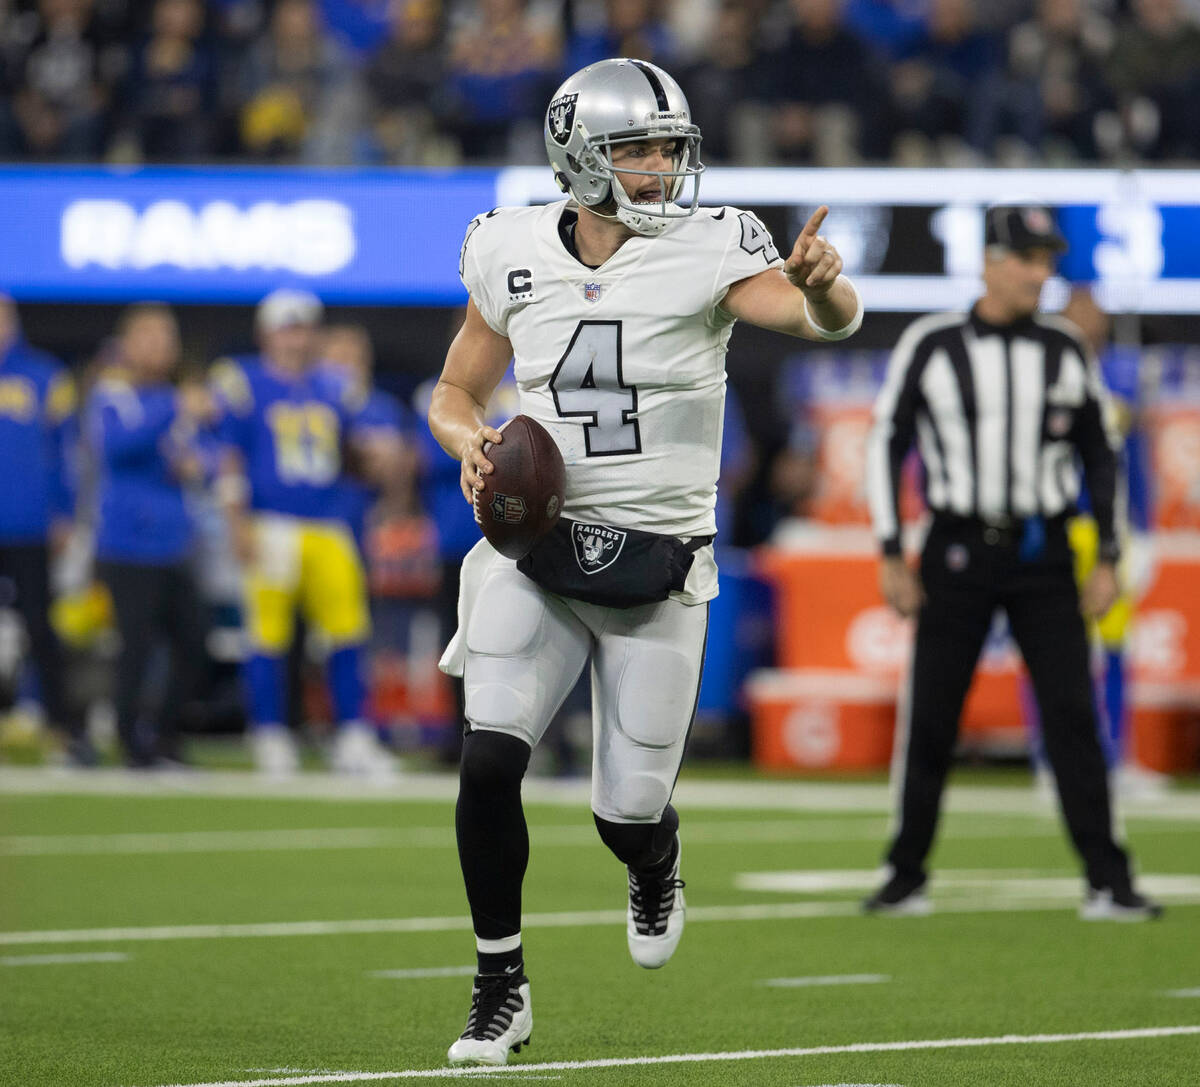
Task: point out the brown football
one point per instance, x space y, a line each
522 498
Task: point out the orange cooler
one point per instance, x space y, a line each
821 720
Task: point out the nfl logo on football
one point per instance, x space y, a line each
591 292
508 509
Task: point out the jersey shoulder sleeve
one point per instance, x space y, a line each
114 394
745 246
492 248
231 381
61 397
333 386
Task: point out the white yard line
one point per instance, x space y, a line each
1058 895
828 979
64 960
424 972
1182 992
739 1055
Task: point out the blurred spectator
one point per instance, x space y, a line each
502 64
723 83
1154 69
359 26
405 80
631 28
286 425
896 29
169 95
37 405
143 432
825 87
384 429
1056 79
946 93
301 98
58 81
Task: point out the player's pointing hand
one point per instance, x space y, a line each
814 264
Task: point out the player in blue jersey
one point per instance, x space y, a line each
388 425
37 406
285 426
145 436
1120 365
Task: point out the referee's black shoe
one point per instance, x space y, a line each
1119 904
902 895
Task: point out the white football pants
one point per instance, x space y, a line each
525 648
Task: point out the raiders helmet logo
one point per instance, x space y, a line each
596 546
561 118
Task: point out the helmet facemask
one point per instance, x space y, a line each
651 218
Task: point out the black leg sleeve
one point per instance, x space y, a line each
493 840
647 848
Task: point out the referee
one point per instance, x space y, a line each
1001 403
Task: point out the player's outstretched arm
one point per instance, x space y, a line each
808 297
474 367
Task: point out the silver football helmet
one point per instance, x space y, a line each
622 101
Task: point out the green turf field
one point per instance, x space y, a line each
195 933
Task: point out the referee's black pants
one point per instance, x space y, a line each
969 569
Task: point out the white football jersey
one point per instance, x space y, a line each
623 364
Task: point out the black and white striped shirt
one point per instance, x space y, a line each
1001 415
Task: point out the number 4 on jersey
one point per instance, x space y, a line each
587 383
756 238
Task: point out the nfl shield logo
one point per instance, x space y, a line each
591 292
508 509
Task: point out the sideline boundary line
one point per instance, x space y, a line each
703 1058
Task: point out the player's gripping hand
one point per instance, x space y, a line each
474 464
814 264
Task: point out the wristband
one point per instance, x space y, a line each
847 330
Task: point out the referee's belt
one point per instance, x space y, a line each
1025 533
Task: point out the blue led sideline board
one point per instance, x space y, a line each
197 235
912 239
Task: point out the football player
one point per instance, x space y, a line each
37 431
285 424
616 304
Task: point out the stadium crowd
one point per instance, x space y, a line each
426 82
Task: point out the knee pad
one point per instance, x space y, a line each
641 846
493 760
